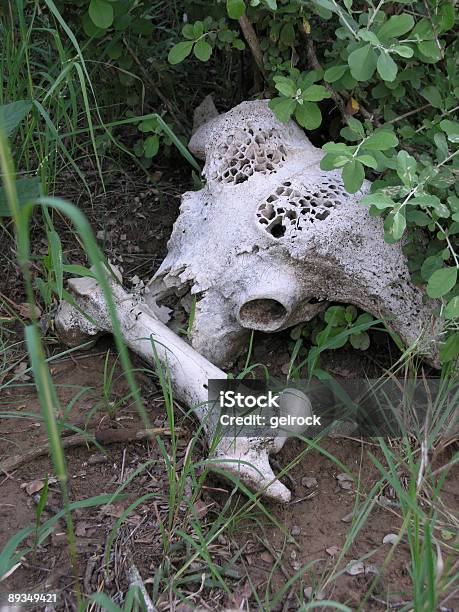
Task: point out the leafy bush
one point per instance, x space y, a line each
393 64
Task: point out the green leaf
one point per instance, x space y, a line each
450 349
452 309
198 29
431 264
335 315
432 95
114 51
395 26
418 217
101 13
430 51
315 93
28 190
367 160
353 176
287 34
387 68
403 50
447 15
179 52
12 114
370 37
406 168
398 225
188 31
334 73
451 128
360 341
121 22
142 26
151 146
308 115
286 87
202 50
441 282
282 108
362 63
356 126
381 141
235 8
380 200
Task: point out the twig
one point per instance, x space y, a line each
411 112
337 98
315 64
252 40
105 436
135 579
434 29
152 84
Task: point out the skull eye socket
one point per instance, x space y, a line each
264 314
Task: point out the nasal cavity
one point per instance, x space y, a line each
263 314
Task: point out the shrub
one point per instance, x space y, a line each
390 70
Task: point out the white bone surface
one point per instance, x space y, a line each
271 239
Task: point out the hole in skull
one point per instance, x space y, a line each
264 314
292 207
245 154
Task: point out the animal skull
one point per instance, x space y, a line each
271 239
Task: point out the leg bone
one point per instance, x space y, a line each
246 459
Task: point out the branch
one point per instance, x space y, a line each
252 40
337 98
105 436
315 64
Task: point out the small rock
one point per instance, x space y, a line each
36 485
345 484
390 538
80 529
285 369
307 592
343 477
267 557
355 567
295 530
348 518
97 458
371 570
332 551
309 482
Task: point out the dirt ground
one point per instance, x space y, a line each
312 528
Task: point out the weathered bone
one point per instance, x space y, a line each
271 239
244 458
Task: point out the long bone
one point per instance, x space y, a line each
243 458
